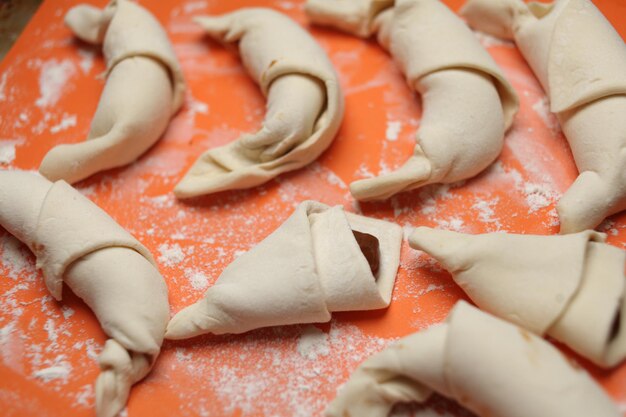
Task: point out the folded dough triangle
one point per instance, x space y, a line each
579 59
144 88
308 268
76 242
304 110
489 366
468 103
571 287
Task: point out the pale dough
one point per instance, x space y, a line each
76 242
489 366
468 103
579 59
144 88
571 287
308 268
304 108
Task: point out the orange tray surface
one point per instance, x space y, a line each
49 88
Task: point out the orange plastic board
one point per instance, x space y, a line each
49 88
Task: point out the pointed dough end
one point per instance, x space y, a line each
440 244
204 177
189 322
413 174
85 22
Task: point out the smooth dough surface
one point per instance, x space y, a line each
468 103
306 269
571 287
304 109
491 367
579 59
77 243
144 88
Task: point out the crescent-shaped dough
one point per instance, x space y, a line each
144 88
76 242
579 59
571 287
489 366
304 109
468 103
308 268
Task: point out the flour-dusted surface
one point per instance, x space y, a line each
49 89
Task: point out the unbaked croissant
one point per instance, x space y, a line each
304 103
580 61
315 263
489 366
76 242
468 103
571 287
144 88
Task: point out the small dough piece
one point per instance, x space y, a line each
304 108
144 89
489 366
579 59
76 242
468 103
352 16
306 269
571 287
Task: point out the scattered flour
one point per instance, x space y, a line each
7 151
313 343
194 6
364 172
542 108
394 127
197 279
486 212
286 5
171 255
60 371
283 382
538 196
14 257
67 122
85 396
52 78
455 224
86 60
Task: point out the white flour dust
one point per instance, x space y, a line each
54 372
53 77
394 127
313 343
7 151
197 279
67 122
171 255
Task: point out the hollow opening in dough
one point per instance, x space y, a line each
370 247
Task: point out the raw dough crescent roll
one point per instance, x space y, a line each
304 103
579 59
76 242
311 266
144 88
571 287
468 103
489 366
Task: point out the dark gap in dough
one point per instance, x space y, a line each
615 327
370 247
